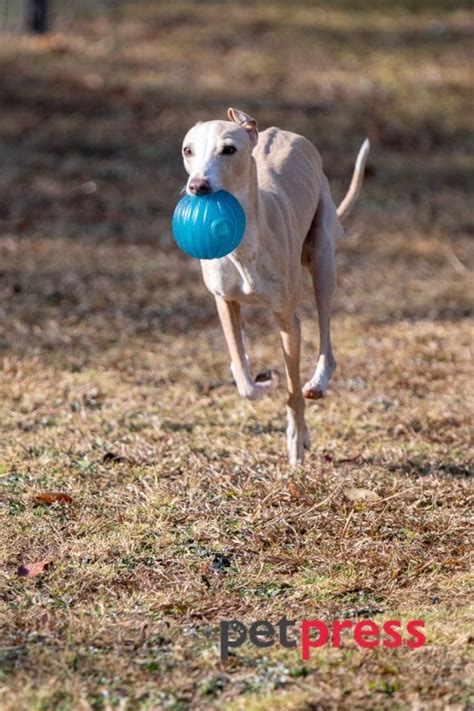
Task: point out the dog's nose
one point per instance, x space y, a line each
199 186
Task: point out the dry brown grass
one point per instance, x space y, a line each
116 386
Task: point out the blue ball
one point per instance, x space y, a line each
208 226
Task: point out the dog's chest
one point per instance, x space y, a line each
231 279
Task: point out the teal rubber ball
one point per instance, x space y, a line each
208 226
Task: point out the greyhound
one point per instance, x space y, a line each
292 222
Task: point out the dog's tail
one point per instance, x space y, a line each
356 183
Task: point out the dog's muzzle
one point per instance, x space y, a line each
199 186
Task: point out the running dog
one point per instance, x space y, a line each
292 222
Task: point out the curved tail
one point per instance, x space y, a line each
356 183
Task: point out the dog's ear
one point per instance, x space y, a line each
245 121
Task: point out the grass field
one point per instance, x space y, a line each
115 385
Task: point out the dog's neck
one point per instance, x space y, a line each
245 257
248 194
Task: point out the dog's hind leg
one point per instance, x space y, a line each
325 230
231 320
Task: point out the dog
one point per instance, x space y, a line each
292 222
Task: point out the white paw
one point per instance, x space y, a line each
264 384
267 381
316 388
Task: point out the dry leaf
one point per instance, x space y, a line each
52 497
29 570
294 490
356 494
348 460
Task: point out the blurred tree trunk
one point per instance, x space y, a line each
37 16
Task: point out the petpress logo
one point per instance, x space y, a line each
316 633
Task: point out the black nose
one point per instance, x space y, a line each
199 186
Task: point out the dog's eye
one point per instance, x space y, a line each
228 150
187 151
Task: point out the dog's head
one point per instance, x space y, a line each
216 154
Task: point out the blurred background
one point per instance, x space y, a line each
93 113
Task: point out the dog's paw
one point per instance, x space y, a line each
268 380
264 376
316 388
313 392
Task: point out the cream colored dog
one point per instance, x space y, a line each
291 221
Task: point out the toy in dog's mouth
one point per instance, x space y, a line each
208 226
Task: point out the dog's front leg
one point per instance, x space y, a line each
231 320
296 433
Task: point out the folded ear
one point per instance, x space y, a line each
245 121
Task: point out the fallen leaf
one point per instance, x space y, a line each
348 460
294 490
29 570
52 497
355 494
